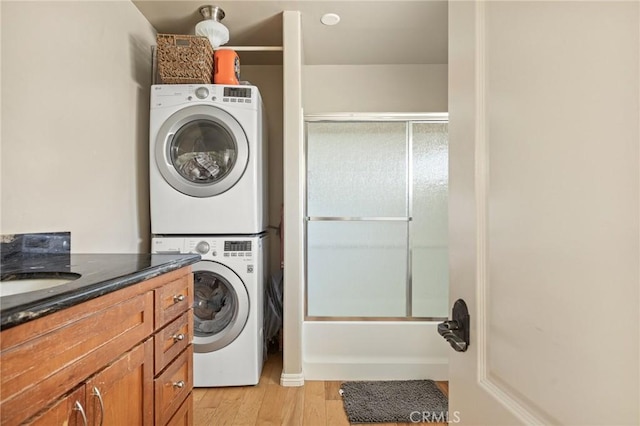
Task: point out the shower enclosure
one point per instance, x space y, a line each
376 217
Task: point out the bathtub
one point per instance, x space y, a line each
373 350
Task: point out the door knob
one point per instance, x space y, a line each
456 330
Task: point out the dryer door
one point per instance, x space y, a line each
220 306
202 151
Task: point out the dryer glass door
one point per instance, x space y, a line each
202 151
220 306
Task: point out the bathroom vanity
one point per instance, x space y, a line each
111 345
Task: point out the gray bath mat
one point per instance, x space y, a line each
400 401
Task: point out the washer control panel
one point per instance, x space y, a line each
203 247
237 248
209 247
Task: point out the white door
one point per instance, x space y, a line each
544 211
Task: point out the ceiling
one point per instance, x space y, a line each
369 32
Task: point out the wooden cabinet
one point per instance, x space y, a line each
109 360
118 395
121 394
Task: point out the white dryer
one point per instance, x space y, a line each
208 160
228 306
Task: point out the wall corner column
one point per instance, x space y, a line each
293 198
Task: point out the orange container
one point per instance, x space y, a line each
226 67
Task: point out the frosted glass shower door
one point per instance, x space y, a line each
356 269
356 169
357 219
429 227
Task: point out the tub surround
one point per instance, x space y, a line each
100 274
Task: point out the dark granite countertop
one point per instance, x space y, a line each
100 274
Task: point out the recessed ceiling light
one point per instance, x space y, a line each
330 18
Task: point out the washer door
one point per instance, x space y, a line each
220 306
202 151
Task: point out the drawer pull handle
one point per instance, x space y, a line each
179 384
178 337
178 298
96 392
78 407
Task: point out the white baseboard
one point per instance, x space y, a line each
292 380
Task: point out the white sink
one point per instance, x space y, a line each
26 285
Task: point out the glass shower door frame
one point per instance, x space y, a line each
409 120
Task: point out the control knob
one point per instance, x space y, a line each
202 92
202 247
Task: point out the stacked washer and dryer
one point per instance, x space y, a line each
208 190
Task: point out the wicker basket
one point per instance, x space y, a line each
184 59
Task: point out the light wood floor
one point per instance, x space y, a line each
314 404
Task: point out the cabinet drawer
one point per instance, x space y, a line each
184 415
172 340
173 385
173 299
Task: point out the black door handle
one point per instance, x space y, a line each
456 330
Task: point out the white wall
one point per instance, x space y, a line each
268 78
374 88
75 90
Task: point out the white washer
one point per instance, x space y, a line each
208 161
228 306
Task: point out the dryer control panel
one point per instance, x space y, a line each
171 95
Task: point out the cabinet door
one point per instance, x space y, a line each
69 410
122 394
184 415
43 360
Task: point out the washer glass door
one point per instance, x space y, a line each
202 151
220 306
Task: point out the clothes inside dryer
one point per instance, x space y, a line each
203 151
215 303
